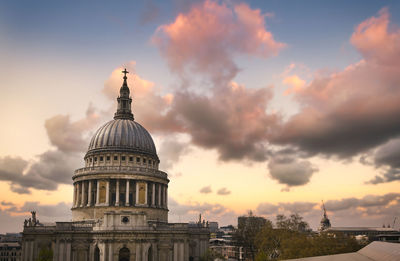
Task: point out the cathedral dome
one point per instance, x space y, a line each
122 135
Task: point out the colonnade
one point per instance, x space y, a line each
119 192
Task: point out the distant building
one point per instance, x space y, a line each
223 244
10 247
10 251
120 208
392 238
371 233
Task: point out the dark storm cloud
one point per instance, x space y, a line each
51 169
288 170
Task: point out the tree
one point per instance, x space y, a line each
294 222
248 227
292 238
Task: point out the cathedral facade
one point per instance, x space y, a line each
120 206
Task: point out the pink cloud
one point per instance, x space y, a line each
374 39
295 83
206 38
356 109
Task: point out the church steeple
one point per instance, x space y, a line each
124 101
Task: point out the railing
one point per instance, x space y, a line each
75 226
120 169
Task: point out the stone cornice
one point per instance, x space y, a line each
120 170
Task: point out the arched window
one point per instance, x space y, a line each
124 254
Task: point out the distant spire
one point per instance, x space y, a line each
323 206
124 101
325 222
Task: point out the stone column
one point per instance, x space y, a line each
68 250
138 252
83 194
181 251
127 193
117 193
61 251
97 193
159 195
110 252
186 250
153 195
89 193
166 196
77 194
108 193
162 195
176 249
137 193
74 197
55 250
146 194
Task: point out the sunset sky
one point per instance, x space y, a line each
269 106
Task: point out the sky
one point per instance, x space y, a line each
262 106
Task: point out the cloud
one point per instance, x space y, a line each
365 202
232 120
171 150
206 38
69 136
223 191
206 190
370 210
290 171
12 218
338 116
285 208
187 212
295 83
51 169
212 121
386 158
149 106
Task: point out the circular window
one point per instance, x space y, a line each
125 220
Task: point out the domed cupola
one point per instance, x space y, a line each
121 170
123 134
